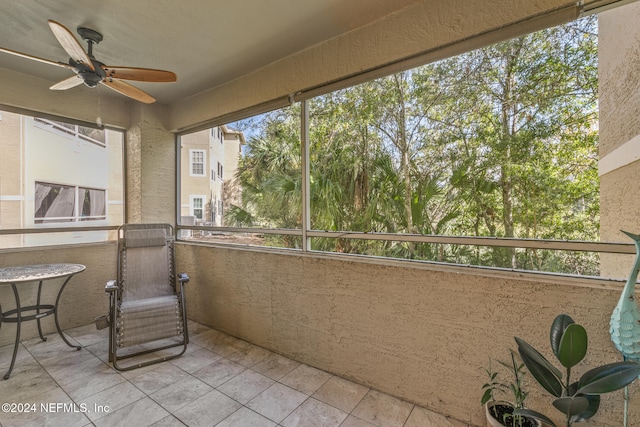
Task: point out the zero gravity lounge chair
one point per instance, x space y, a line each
147 310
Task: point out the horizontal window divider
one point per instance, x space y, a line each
567 245
57 229
548 244
287 231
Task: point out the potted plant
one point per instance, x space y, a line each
500 412
578 400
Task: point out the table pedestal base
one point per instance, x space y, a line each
41 310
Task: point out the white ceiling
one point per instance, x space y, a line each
205 42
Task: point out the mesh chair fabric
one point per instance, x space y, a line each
148 319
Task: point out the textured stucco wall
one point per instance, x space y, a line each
619 92
151 167
82 300
419 332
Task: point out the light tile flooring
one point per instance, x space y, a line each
220 381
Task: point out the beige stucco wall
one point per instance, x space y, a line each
418 331
10 177
82 300
150 153
619 91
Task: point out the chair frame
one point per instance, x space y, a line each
114 291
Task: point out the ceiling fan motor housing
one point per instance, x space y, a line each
90 77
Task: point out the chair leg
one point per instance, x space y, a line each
112 327
114 358
117 358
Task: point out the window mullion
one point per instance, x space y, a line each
304 152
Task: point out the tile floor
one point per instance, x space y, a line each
220 381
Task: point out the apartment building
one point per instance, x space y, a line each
209 161
36 192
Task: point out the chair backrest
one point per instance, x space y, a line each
146 266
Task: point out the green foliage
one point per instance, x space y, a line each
515 387
500 142
492 387
578 400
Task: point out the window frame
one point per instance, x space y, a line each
76 215
192 163
192 206
306 232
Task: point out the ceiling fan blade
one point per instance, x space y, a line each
70 44
35 58
67 83
128 90
140 74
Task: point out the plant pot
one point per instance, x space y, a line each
502 408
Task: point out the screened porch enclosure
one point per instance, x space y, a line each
419 331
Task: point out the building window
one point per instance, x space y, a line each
197 206
217 133
197 162
219 170
93 203
66 203
213 175
96 136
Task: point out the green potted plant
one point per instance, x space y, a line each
501 412
578 400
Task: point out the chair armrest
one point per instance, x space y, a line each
111 286
183 278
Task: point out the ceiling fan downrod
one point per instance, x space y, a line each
90 77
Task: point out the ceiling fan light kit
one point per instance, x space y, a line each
92 72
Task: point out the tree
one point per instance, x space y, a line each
501 141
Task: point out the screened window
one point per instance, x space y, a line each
497 143
57 174
242 198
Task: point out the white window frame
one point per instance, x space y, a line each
192 207
192 152
78 192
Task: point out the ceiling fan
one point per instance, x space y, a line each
92 72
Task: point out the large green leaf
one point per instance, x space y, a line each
608 378
544 372
574 405
573 345
558 326
594 405
485 397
